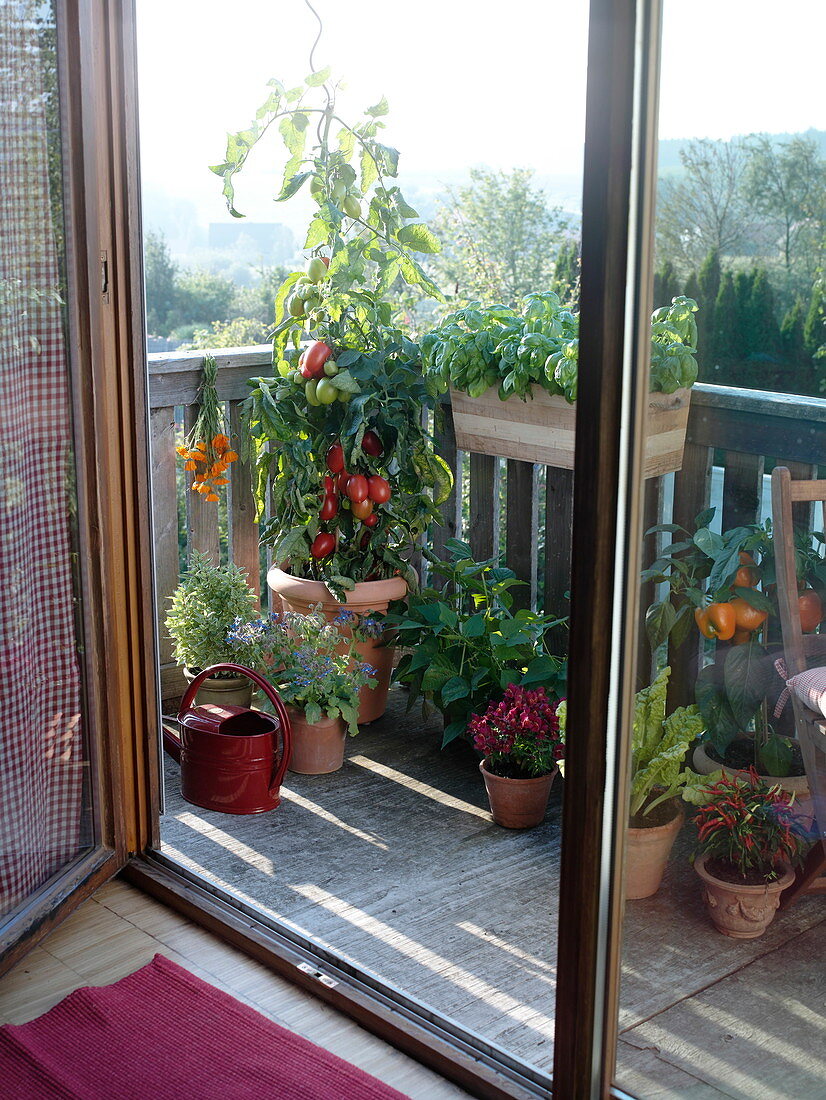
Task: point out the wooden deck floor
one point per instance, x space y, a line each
395 863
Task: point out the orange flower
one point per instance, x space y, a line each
189 465
229 456
220 443
212 496
220 481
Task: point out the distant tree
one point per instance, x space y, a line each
763 330
791 334
241 332
726 328
667 284
814 327
258 301
160 275
566 273
705 209
202 297
786 183
499 238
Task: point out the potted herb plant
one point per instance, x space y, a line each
341 449
203 608
521 741
465 643
318 675
494 354
659 746
748 841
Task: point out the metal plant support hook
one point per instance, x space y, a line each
318 36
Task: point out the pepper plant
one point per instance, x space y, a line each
339 437
466 644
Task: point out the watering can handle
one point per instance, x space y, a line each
269 691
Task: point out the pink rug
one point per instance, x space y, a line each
163 1034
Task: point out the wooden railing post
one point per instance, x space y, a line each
164 518
201 515
522 530
243 530
559 517
451 525
484 506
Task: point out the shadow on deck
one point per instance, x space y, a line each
395 863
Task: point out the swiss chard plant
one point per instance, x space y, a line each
467 644
659 746
339 438
477 347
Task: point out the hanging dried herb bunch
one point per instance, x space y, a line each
206 450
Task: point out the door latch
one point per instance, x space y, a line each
104 277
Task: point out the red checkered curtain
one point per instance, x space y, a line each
42 764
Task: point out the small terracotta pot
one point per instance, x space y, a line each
318 747
231 691
743 912
646 855
299 594
517 803
798 785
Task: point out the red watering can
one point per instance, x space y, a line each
232 759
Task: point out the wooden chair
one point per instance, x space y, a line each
802 652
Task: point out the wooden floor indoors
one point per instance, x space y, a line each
120 929
395 862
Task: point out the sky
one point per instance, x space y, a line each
469 82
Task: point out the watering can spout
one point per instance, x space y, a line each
233 759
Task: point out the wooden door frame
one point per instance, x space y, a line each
106 353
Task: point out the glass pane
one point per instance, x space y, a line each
392 861
714 1001
44 771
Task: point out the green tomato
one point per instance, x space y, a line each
310 391
343 396
338 192
326 393
318 315
297 377
296 307
316 270
331 368
311 302
304 289
317 187
352 207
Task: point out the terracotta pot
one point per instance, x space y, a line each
317 747
798 785
232 691
743 912
517 803
646 854
298 594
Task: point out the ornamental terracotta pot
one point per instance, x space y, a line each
299 594
317 747
228 691
798 785
741 911
646 854
517 803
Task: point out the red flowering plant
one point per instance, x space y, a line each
748 829
521 736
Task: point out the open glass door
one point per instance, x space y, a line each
62 756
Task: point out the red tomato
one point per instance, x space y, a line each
371 444
371 520
361 509
329 509
329 485
325 260
315 357
323 545
341 482
811 610
335 457
356 488
378 489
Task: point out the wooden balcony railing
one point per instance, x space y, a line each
502 508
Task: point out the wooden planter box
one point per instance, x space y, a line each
542 429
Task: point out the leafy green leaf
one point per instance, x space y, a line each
659 621
315 80
379 109
747 676
456 688
418 237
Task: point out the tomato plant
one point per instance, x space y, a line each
811 610
378 489
358 413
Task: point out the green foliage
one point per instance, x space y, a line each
477 347
466 642
566 275
659 746
503 238
239 333
204 606
160 275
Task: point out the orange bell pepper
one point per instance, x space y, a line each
718 620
